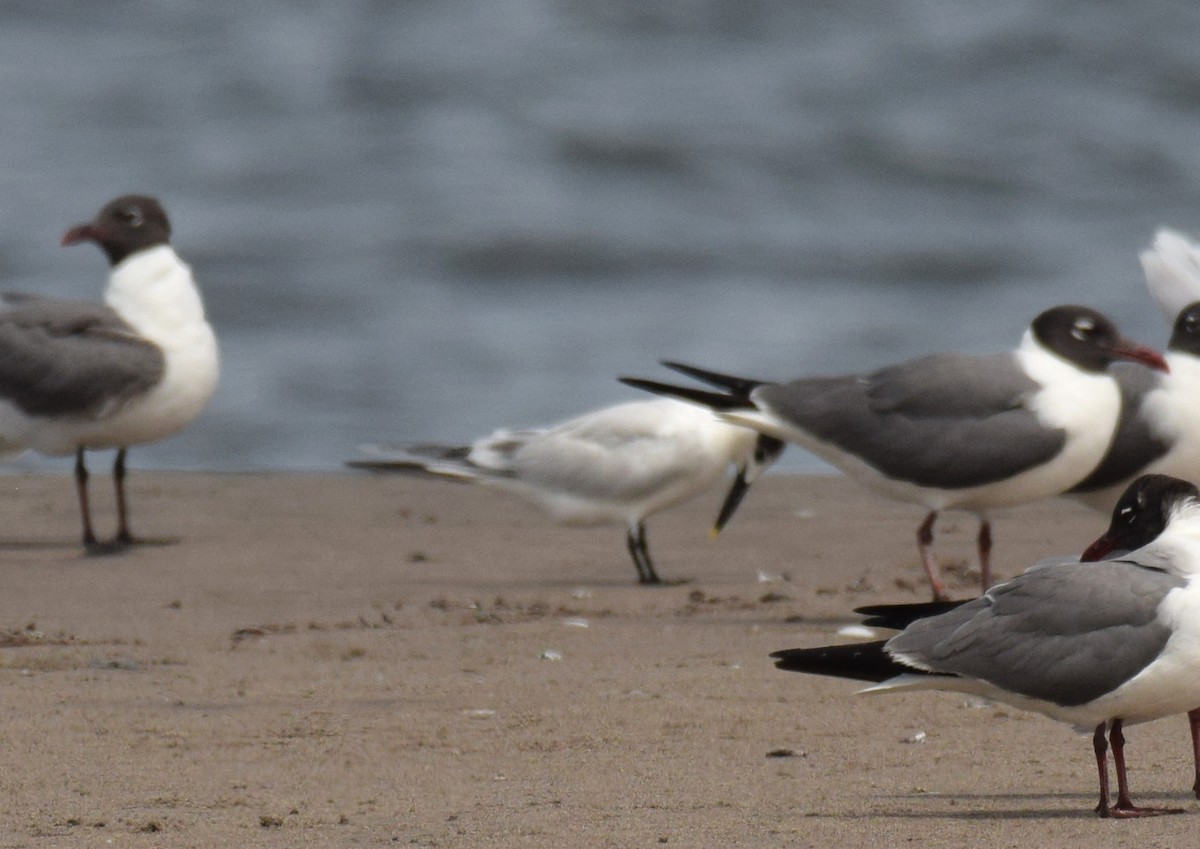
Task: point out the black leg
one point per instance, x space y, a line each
635 540
1100 747
631 542
124 537
647 563
925 546
984 543
1194 722
81 489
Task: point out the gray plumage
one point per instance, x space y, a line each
914 422
71 358
1065 634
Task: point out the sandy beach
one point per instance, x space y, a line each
351 660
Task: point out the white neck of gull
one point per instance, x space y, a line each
1177 549
153 290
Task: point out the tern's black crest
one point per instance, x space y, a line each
125 226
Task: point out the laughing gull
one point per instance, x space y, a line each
1141 514
950 431
1159 428
1097 645
77 375
616 465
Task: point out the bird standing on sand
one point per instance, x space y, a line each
950 431
1099 645
616 465
1140 515
80 375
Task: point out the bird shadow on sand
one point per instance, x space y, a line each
961 806
100 549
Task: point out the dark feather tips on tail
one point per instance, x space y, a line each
856 661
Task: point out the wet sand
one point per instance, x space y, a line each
349 660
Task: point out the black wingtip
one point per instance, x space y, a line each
387 466
855 661
704 397
740 386
897 617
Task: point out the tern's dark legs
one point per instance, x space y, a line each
124 537
925 546
635 540
1124 809
81 489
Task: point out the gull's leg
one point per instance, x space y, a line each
124 537
984 543
925 547
1125 809
81 489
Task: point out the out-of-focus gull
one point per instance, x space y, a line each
80 375
1172 268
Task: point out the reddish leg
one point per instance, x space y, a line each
925 546
1125 809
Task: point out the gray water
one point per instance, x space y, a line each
417 220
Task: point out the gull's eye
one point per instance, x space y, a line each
1083 328
132 216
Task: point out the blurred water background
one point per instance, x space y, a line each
426 219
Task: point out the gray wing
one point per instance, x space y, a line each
60 357
625 462
1134 446
1065 634
944 421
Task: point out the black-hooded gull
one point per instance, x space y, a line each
951 431
80 375
1099 645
